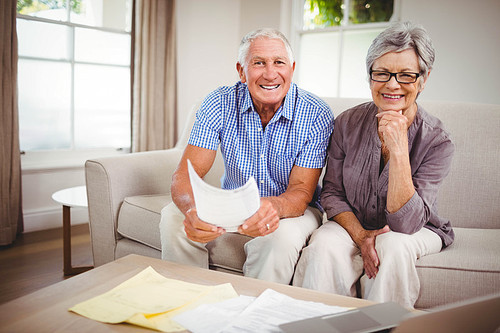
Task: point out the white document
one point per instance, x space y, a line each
224 208
248 314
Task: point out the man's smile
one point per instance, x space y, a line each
269 87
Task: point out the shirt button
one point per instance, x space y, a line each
262 156
262 181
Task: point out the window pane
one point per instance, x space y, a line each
54 10
102 47
319 63
322 13
353 79
44 104
364 11
43 40
102 106
114 14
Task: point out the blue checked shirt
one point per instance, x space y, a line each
297 134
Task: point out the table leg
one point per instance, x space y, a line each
67 266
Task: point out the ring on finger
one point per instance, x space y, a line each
268 226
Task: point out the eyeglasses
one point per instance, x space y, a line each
404 77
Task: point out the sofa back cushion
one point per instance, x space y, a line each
470 195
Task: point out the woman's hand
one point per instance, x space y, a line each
393 127
368 253
198 230
263 222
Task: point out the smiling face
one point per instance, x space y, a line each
267 73
392 95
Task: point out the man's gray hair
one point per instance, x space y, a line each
401 36
262 33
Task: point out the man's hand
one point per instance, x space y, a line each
263 222
368 252
199 231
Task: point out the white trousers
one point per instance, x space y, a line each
272 257
332 263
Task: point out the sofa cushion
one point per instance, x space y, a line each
226 252
467 268
139 218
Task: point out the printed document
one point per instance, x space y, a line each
252 314
227 209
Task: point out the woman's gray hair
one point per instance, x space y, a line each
401 36
262 33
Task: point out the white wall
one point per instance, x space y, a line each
39 210
466 35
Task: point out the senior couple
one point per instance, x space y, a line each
385 162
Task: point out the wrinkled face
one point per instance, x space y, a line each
267 73
393 95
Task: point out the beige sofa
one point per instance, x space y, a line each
127 193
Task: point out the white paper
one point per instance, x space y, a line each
213 317
246 314
224 208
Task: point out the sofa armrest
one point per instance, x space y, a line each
111 179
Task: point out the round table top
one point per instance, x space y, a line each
72 197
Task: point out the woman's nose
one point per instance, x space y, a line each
393 82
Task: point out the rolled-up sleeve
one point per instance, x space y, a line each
208 123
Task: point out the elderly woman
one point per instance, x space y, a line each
386 161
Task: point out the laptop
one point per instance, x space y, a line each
476 315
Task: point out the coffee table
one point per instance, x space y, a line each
46 310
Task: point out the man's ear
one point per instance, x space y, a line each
241 72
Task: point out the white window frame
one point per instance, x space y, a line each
297 31
71 157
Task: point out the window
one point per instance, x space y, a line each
333 39
74 74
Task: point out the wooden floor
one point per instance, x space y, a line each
35 260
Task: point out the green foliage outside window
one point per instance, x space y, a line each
322 13
367 11
31 6
329 13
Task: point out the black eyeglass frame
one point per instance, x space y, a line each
417 75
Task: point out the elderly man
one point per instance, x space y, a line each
269 129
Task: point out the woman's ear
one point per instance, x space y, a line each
423 82
241 72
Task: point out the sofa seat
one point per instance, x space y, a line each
225 253
471 261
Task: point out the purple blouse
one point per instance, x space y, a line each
353 181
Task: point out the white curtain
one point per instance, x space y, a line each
154 77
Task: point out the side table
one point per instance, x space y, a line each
70 197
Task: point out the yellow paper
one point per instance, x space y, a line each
151 300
